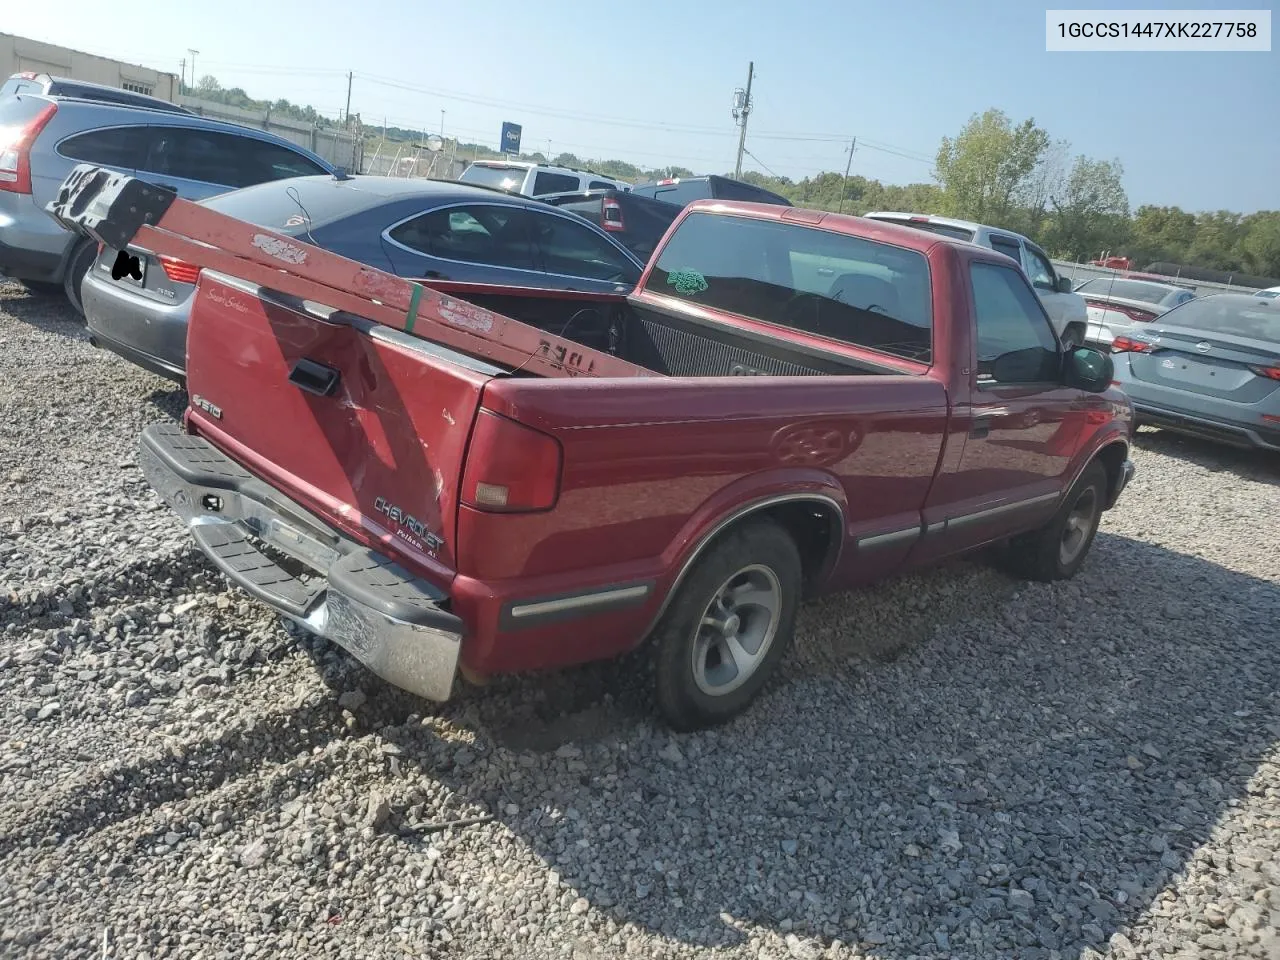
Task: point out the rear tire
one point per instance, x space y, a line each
78 265
1058 549
727 627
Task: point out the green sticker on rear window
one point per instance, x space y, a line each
687 282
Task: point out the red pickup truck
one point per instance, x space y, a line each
825 400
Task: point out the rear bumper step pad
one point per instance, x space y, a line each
391 621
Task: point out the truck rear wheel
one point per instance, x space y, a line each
1058 549
727 627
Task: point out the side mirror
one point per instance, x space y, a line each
1063 285
1087 369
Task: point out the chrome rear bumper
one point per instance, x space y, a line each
391 621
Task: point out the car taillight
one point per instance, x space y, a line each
1271 373
612 211
1129 345
179 271
15 151
1133 313
510 468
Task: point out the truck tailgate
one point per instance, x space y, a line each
363 425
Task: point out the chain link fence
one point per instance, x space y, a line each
1080 272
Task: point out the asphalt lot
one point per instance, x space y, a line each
952 765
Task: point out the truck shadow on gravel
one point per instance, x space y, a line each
1016 772
1020 781
1261 466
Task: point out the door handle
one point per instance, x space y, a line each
314 377
980 427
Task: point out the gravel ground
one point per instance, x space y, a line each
953 765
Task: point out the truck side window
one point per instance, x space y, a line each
1039 271
1010 248
1011 327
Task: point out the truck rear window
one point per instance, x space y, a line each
503 178
844 288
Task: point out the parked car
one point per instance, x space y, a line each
1271 293
1209 368
682 191
1115 304
793 432
1066 308
536 179
45 85
449 235
636 222
42 138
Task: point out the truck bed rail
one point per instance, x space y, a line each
119 210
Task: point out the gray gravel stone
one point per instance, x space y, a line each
954 764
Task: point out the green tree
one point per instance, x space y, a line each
1260 246
987 169
1161 233
1090 212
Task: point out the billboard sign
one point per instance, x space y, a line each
511 138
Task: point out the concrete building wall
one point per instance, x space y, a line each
20 54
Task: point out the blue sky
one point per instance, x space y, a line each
653 83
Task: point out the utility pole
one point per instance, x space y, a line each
845 182
442 124
347 114
741 109
193 65
183 84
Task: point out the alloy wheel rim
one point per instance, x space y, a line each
736 630
1079 525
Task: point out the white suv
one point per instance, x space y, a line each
536 179
1066 308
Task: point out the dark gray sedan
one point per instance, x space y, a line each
1210 368
449 235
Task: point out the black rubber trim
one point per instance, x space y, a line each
146 361
508 621
194 459
382 584
232 552
109 207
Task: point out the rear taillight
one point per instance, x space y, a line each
1271 373
179 271
510 468
612 214
1129 345
1133 313
15 151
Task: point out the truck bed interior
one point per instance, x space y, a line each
673 344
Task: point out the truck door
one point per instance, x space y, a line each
1023 424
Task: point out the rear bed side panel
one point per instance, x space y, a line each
379 456
650 467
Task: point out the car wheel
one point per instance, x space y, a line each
78 265
1058 549
727 627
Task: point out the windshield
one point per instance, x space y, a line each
1128 289
503 178
1233 316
